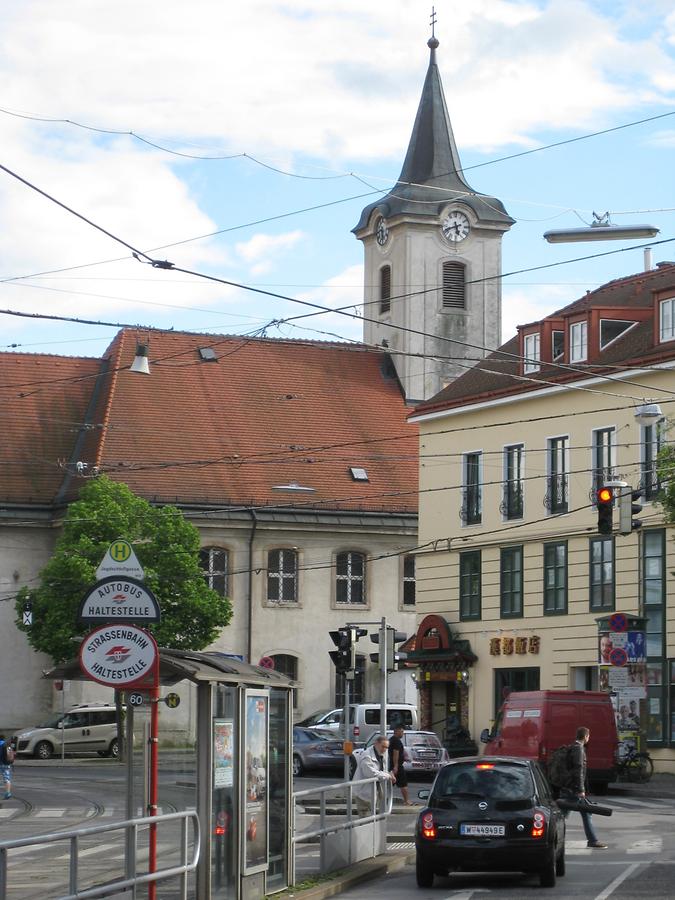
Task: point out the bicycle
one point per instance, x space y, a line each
637 766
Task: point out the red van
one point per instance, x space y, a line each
533 723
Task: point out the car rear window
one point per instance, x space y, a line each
495 781
416 739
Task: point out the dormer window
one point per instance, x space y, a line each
532 355
611 329
557 344
578 342
667 319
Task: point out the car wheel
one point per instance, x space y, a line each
114 748
298 767
43 750
547 873
560 863
423 874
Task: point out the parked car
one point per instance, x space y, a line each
533 724
313 749
423 752
82 729
364 719
490 813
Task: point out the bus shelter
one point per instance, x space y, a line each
225 748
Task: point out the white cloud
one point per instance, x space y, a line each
522 304
342 291
263 250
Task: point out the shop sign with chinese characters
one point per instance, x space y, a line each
520 646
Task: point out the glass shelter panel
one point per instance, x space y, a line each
225 794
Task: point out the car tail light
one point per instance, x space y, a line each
539 824
357 731
485 766
429 826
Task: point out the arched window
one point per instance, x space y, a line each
215 564
282 576
350 577
454 277
287 665
385 289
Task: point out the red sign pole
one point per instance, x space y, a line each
154 778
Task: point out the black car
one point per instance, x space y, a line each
490 814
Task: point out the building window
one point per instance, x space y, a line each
282 576
512 506
653 439
557 344
350 570
357 687
555 577
288 665
471 501
511 582
215 564
578 342
611 329
508 680
602 573
654 593
408 580
532 355
454 277
667 319
470 584
385 289
603 457
557 492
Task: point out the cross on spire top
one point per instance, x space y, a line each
432 43
433 21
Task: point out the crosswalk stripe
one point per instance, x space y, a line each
6 813
50 813
649 845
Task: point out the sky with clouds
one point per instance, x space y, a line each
243 140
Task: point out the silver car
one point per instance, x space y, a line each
84 729
422 752
313 749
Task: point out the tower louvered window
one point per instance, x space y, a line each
453 285
385 289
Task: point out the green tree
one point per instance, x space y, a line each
167 547
666 476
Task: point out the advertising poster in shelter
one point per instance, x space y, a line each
622 672
223 753
255 807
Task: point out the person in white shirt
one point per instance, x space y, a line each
373 763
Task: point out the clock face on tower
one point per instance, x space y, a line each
381 232
455 226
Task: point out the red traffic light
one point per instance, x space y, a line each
605 494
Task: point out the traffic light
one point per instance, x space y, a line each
393 657
343 657
629 506
605 502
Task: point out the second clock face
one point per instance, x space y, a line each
381 232
455 226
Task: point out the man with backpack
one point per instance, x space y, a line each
6 762
573 785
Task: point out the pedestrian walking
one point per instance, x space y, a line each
576 789
6 762
372 763
396 760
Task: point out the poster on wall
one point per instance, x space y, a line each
255 807
223 753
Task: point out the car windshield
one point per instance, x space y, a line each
51 723
419 739
311 720
495 781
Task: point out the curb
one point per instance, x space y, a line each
366 870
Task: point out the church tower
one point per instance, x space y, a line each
432 258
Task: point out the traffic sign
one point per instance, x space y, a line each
172 700
118 655
266 662
618 657
120 559
618 622
136 699
119 600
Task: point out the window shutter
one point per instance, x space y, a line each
453 285
385 289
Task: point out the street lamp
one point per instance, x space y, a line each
600 229
648 413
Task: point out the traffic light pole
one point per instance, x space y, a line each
383 676
345 723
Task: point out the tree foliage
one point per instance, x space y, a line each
666 476
167 547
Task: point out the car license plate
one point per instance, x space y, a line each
483 830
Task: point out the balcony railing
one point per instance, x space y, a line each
556 499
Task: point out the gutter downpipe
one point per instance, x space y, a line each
254 526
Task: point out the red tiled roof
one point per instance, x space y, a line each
266 413
43 401
500 373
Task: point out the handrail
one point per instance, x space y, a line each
132 825
350 823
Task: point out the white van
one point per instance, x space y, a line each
364 719
83 729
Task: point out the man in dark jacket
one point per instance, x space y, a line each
577 787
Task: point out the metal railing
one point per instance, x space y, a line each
131 879
324 830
